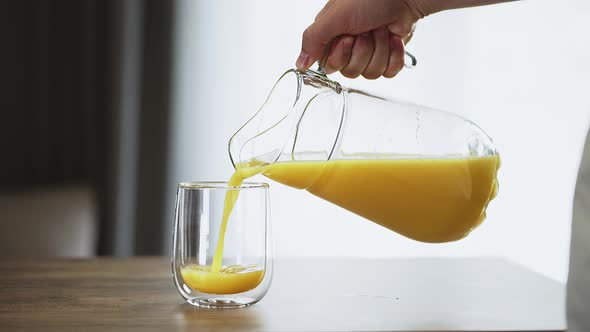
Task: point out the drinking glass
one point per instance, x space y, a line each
246 269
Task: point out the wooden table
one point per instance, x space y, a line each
306 295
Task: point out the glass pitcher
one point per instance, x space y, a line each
424 173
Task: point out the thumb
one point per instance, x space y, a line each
317 37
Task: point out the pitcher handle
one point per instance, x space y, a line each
410 62
413 61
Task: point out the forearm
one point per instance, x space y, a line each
422 8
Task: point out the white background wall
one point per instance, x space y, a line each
519 70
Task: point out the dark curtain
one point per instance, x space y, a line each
86 100
51 128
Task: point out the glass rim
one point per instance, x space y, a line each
221 185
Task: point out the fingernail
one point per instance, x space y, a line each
303 61
347 43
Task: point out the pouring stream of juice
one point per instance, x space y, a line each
438 199
231 197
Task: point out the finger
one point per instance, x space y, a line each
378 63
408 38
403 26
361 55
396 56
339 54
318 36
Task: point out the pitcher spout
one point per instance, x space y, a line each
277 131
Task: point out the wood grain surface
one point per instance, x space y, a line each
306 295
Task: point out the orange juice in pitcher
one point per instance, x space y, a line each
423 173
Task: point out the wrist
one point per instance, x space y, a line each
423 8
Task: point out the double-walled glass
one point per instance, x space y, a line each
246 265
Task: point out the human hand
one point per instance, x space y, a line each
360 37
368 37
